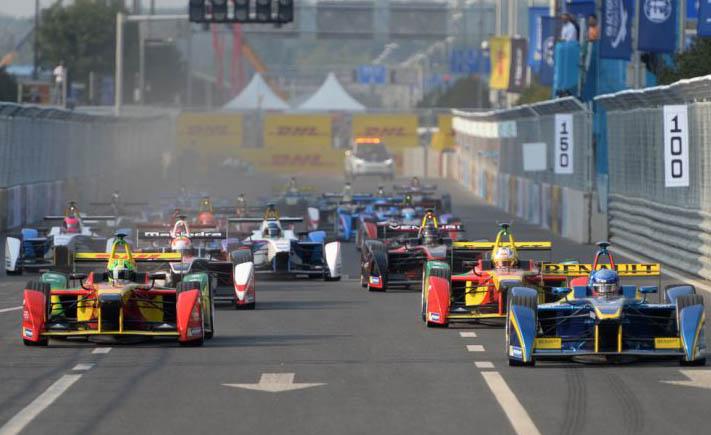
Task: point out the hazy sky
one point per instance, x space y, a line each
21 8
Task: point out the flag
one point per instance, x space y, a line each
549 26
500 58
657 26
518 74
616 35
534 36
704 23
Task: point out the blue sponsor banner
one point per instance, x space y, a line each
371 74
535 46
465 61
616 35
549 25
580 8
704 24
692 9
657 26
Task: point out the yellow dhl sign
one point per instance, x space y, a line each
218 134
484 246
641 269
396 131
500 55
287 131
667 343
548 343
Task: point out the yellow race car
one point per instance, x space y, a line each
118 303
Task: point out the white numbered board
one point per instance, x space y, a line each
564 145
676 146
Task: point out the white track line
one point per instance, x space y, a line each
484 364
467 334
44 400
101 350
83 367
7 310
515 412
475 348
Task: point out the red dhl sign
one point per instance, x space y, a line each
285 130
385 131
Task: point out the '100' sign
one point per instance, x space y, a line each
676 146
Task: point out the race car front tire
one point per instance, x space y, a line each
187 286
45 289
525 300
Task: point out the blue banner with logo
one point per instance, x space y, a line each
534 36
371 74
657 26
704 24
580 8
549 25
692 9
616 34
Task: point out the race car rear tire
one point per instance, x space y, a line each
46 289
63 259
187 286
16 272
524 300
378 258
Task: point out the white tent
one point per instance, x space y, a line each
257 96
331 96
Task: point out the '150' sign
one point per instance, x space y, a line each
564 144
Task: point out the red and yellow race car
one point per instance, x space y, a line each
119 303
481 291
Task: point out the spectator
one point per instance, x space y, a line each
60 75
569 32
593 28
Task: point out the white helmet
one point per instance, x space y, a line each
504 257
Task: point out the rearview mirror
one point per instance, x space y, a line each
560 291
648 289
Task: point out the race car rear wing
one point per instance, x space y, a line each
139 257
416 228
488 246
194 235
284 220
624 269
84 218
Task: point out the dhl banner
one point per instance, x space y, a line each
500 55
304 159
287 131
396 131
444 138
215 134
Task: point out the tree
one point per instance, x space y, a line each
534 93
694 62
81 34
467 92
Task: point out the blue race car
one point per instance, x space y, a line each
598 317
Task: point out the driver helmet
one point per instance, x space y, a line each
273 230
381 191
71 225
504 258
415 182
241 200
430 234
115 196
605 282
407 201
119 273
180 244
292 187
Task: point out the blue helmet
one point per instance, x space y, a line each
605 282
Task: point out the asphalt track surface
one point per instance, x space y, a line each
383 371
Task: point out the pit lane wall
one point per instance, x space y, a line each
534 162
49 156
660 173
